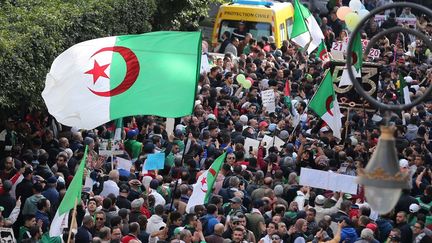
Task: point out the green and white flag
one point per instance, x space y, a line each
314 29
403 91
73 193
100 80
325 104
300 33
323 54
118 129
203 188
357 62
306 32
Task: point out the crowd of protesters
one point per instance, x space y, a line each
257 196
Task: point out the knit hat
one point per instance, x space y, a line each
319 200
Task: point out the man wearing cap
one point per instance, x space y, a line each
51 193
132 146
321 211
135 209
134 192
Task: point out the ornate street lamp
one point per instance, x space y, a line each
382 179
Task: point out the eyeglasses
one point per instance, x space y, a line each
99 218
275 237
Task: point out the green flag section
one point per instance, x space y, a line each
325 104
73 193
300 33
47 239
357 56
100 80
314 29
404 96
357 62
203 188
118 129
323 54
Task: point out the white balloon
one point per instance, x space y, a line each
363 12
356 5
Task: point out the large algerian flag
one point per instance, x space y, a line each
356 60
203 188
403 90
325 105
306 32
73 193
100 80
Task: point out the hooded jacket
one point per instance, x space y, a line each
348 235
154 224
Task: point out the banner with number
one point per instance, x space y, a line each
339 49
347 96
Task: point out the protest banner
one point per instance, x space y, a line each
328 180
268 100
7 235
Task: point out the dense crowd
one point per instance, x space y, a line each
257 196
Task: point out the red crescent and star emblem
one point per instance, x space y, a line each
329 100
132 71
323 55
204 180
354 58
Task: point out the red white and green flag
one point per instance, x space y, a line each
323 54
100 80
357 62
325 104
306 31
73 194
203 188
403 90
287 94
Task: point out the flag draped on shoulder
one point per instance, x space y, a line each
325 104
404 95
203 188
73 193
306 32
100 80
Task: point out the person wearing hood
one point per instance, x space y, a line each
412 129
155 222
348 233
30 205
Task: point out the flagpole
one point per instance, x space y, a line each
73 222
307 106
347 123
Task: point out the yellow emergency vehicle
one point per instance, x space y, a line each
260 18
